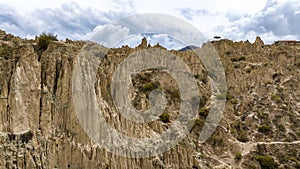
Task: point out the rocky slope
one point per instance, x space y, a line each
260 127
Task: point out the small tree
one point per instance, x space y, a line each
43 41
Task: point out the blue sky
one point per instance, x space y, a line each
79 19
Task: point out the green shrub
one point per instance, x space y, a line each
217 140
26 137
269 83
242 58
235 101
238 156
204 112
165 117
264 129
263 115
43 41
107 166
237 113
6 51
198 122
294 159
196 76
242 138
150 86
275 97
229 96
227 52
266 162
275 75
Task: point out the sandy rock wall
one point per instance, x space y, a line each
39 127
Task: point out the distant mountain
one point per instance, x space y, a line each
190 47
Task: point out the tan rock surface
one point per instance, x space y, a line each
39 127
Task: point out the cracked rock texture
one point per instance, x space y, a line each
260 127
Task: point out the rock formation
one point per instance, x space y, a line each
258 42
39 127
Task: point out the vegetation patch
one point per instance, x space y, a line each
275 98
44 40
229 96
238 156
204 112
165 117
6 51
198 122
26 137
266 162
149 86
264 129
237 59
228 53
235 101
217 140
242 138
275 75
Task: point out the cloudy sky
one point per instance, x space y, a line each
80 19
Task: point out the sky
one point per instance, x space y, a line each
83 19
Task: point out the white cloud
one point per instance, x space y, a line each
68 20
108 35
167 41
233 19
116 36
102 5
164 29
214 6
276 21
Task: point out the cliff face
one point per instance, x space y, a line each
39 127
